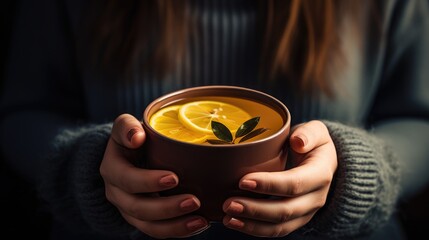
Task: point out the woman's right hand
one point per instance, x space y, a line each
134 190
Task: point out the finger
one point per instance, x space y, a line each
264 229
275 210
148 208
294 182
308 136
128 131
172 228
123 174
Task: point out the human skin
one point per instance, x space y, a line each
300 191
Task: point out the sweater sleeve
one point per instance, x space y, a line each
379 168
365 189
400 112
73 187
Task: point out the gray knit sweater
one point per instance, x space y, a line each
65 112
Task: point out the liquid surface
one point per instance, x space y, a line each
190 120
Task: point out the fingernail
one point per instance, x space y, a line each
196 224
189 205
301 139
131 133
235 208
234 222
168 181
248 184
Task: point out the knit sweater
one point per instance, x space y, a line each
381 100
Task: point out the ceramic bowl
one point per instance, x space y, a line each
212 172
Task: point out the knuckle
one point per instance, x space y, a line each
285 214
121 118
120 122
326 182
317 123
320 202
133 209
296 187
126 183
103 171
268 185
252 211
250 227
109 195
123 183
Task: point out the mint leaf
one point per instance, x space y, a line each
253 134
247 127
221 131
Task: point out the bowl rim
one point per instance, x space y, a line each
280 105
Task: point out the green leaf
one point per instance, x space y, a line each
253 134
247 127
217 141
221 131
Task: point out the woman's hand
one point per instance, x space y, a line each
299 191
134 190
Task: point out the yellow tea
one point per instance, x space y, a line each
191 120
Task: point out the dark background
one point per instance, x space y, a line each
20 209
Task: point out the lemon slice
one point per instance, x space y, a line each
166 122
197 115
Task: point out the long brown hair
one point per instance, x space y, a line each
301 37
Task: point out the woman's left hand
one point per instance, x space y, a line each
300 191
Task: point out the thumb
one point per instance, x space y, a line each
309 135
128 131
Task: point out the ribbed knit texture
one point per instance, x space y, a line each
73 187
366 185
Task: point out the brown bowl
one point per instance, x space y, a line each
212 172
